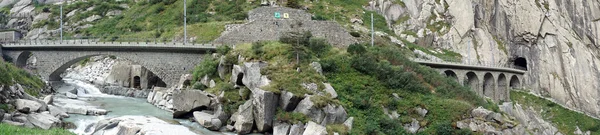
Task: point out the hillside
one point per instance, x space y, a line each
556 42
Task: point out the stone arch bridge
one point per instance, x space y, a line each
168 61
488 81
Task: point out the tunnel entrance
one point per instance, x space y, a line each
136 82
488 85
451 74
520 63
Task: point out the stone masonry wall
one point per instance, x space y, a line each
268 13
263 27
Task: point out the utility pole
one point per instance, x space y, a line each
61 21
372 31
184 22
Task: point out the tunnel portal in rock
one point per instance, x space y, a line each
520 63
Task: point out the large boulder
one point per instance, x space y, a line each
287 101
348 123
315 129
281 129
185 101
308 108
184 81
317 67
265 106
222 69
329 89
57 112
26 106
244 119
49 99
480 112
412 127
131 125
297 129
207 120
334 114
237 73
252 77
44 120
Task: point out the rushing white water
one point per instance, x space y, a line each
89 96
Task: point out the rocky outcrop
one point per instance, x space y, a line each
555 41
187 101
208 120
281 129
288 101
138 125
244 119
314 129
265 105
334 114
44 120
162 98
122 91
252 77
308 108
518 121
27 106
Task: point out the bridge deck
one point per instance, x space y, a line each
472 67
109 46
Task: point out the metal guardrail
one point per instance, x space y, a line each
470 63
102 40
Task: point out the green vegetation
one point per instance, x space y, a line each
7 129
501 45
445 55
208 67
337 128
290 117
440 27
570 45
9 75
365 79
84 61
379 24
564 119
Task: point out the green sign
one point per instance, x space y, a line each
277 15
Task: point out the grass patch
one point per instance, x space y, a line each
564 119
337 128
380 24
10 75
290 117
7 129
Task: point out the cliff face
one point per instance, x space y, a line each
556 40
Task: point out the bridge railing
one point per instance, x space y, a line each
472 63
104 40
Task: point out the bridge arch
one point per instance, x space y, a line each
502 87
489 85
22 59
451 74
515 83
471 80
136 82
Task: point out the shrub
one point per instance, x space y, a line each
223 49
207 67
319 46
356 49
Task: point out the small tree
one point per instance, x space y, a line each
299 41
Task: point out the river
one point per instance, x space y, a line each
89 96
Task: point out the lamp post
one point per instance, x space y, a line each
184 22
